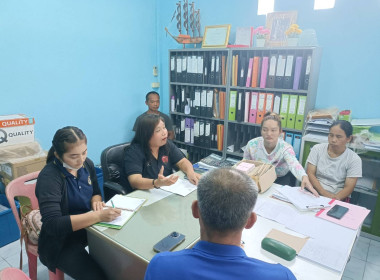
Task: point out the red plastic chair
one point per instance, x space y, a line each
11 273
23 187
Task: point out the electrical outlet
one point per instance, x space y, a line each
155 85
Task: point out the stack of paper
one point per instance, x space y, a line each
303 200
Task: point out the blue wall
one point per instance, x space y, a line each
89 63
349 35
86 63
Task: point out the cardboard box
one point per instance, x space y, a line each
15 168
263 174
16 129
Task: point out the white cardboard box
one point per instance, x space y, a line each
16 129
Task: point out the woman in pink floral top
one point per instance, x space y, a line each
269 148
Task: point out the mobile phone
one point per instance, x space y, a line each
337 211
169 242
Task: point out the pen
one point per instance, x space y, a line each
113 206
315 206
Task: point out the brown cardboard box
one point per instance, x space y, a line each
263 174
14 168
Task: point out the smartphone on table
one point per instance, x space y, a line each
337 211
169 242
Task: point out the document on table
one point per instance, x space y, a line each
120 221
352 219
125 202
128 205
329 256
303 200
181 187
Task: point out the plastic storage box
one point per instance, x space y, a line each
9 231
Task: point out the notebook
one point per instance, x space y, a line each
128 205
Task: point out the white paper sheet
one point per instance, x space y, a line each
181 187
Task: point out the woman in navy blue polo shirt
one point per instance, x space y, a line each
67 190
150 158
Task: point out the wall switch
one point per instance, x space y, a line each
155 71
156 85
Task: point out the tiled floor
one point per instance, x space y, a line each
364 263
10 257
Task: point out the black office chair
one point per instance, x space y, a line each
111 160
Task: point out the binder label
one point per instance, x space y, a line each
179 66
272 68
172 64
253 102
301 106
289 65
308 65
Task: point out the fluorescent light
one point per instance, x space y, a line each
323 4
265 6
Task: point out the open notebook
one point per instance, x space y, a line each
128 205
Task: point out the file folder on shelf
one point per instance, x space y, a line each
222 104
196 133
212 70
280 71
201 133
240 107
187 130
236 69
253 108
207 142
189 67
172 68
284 109
290 122
297 72
232 107
194 67
182 133
300 112
220 132
249 73
216 106
272 72
246 106
206 68
199 69
192 131
288 77
203 108
209 102
297 138
264 72
242 74
305 85
277 104
184 68
223 69
269 102
178 68
289 138
197 102
255 71
218 69
260 108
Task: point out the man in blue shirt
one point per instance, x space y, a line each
226 198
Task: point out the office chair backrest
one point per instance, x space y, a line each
112 161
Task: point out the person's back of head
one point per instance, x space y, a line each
226 198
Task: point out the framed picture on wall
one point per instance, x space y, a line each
278 23
216 36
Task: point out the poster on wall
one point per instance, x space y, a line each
278 23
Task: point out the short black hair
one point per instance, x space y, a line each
149 93
345 126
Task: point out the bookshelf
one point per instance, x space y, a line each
203 83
